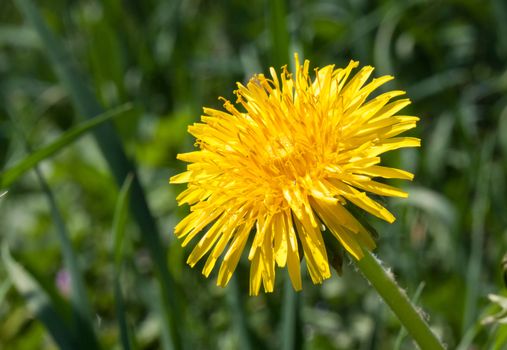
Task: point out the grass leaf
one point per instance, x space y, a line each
120 220
119 223
279 33
238 314
291 323
9 176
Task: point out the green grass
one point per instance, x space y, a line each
66 150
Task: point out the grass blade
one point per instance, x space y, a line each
9 176
39 302
468 338
126 336
111 147
479 210
120 221
82 311
119 224
279 34
291 337
238 315
500 339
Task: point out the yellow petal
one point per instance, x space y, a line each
263 225
280 239
385 172
197 220
390 109
256 270
293 262
208 240
233 254
333 217
394 143
228 231
181 178
267 256
362 200
380 189
314 251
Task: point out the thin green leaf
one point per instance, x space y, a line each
119 224
500 338
479 210
279 33
120 220
81 306
9 176
126 335
238 315
291 323
39 302
467 339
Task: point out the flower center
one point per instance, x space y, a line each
282 158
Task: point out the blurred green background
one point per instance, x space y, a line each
80 270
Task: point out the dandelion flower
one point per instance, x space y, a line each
282 164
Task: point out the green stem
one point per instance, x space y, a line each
397 300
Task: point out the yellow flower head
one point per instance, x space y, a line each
280 167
